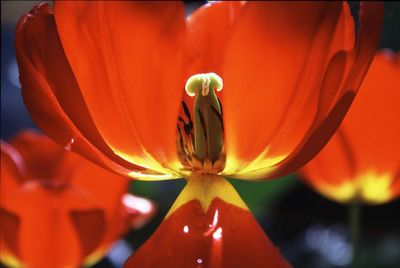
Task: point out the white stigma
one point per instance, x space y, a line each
203 82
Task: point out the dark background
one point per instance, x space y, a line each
310 230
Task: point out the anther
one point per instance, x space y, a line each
186 110
219 116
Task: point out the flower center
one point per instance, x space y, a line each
200 144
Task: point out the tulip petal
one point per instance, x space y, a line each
372 124
12 169
90 227
51 93
223 236
300 121
272 73
328 119
45 225
371 129
208 32
128 59
41 156
9 228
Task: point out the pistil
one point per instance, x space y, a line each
208 126
200 141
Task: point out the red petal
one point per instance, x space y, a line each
208 32
275 64
9 228
51 93
371 129
373 121
41 156
328 119
45 225
128 60
224 236
13 169
90 227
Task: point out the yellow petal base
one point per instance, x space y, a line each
205 188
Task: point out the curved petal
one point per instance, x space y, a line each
45 225
133 212
108 187
372 123
51 93
303 105
41 156
328 119
208 32
128 59
372 130
271 75
223 236
9 229
90 227
13 169
337 153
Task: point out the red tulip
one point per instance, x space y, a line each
59 210
112 82
361 162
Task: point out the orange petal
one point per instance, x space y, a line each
373 121
223 236
88 209
41 155
90 227
108 187
13 169
128 59
9 229
272 75
300 124
51 93
330 115
208 32
45 225
372 130
337 153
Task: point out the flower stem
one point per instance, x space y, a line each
355 230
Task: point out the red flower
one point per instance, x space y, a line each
112 81
361 162
59 210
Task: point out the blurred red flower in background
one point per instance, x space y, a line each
111 83
361 162
59 210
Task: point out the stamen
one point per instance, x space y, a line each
180 138
203 123
219 116
186 110
181 119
